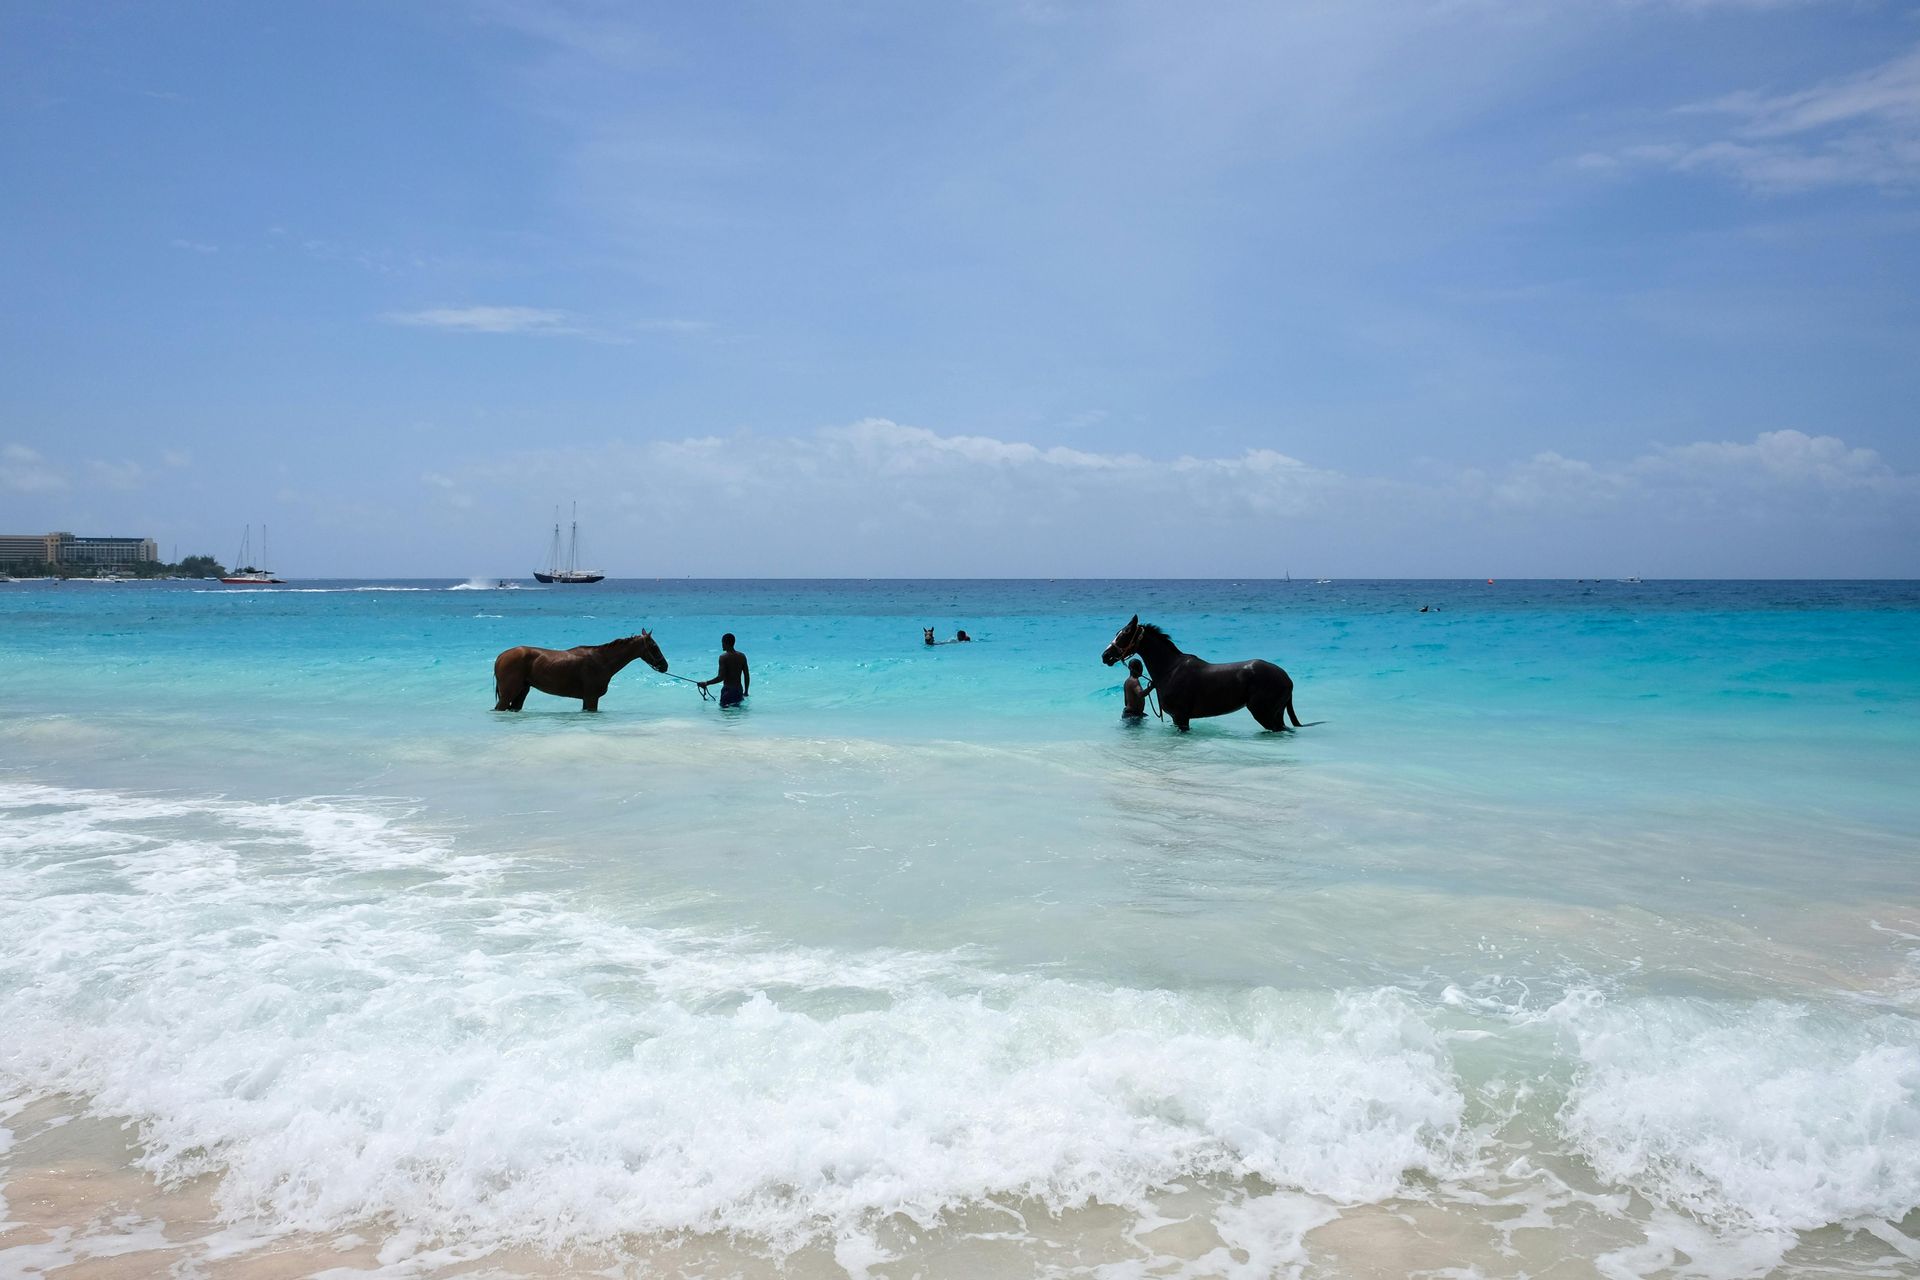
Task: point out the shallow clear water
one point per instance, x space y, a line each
1582 922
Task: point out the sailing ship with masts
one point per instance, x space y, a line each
244 573
571 572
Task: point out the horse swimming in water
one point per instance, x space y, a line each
582 672
1191 689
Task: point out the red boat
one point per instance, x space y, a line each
247 575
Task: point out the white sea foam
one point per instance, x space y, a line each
1757 1121
347 1018
298 591
488 1064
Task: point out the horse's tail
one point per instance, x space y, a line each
1288 710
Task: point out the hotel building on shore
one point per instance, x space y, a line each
67 549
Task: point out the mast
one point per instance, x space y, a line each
573 540
265 558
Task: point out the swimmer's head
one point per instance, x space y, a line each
726 641
1134 666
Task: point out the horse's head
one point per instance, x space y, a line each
648 651
1126 642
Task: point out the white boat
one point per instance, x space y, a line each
245 574
571 573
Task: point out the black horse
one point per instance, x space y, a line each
1190 689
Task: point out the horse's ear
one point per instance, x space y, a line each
646 631
1134 621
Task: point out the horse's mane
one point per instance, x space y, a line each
1151 632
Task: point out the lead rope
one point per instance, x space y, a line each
704 695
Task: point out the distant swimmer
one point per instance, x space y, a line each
1134 694
962 638
734 679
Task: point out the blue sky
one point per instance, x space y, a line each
1458 288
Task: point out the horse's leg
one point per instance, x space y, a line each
1271 715
590 704
509 694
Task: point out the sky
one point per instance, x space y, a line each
1421 288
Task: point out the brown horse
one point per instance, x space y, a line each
1191 688
582 672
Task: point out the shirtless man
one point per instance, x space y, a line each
1134 694
733 677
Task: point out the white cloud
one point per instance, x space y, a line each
23 470
1786 457
538 320
897 449
1856 130
1785 475
1085 418
123 474
880 497
449 488
1552 481
196 246
1889 93
671 325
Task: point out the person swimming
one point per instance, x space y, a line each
962 638
1133 694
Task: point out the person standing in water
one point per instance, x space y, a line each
733 677
1134 694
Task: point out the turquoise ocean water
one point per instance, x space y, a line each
1578 935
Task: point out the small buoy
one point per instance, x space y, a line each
1489 581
